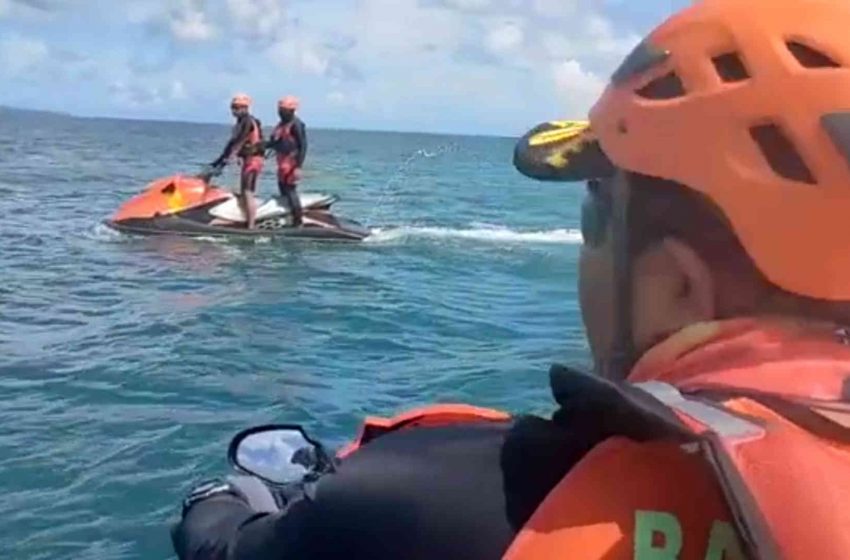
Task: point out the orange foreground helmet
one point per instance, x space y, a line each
240 100
289 102
747 102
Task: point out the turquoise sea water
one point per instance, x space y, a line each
127 363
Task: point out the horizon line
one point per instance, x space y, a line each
69 115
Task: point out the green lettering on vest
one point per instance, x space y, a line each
723 543
651 523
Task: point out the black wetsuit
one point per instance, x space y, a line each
455 492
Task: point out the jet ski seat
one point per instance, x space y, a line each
274 207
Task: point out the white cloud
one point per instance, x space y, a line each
258 19
427 61
388 37
504 38
555 8
304 56
314 61
577 87
178 90
468 4
605 41
594 42
49 5
136 93
409 52
337 98
557 46
34 10
189 23
20 54
141 11
391 30
350 99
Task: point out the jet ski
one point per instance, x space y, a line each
192 206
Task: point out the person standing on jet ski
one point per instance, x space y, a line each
289 142
246 143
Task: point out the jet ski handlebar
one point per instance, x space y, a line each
208 172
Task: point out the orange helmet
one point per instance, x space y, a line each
747 102
289 102
240 100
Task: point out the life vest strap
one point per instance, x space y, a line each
723 430
724 424
654 411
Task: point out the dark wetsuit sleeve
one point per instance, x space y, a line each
210 528
300 133
422 493
458 492
240 134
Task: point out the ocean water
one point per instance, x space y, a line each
127 363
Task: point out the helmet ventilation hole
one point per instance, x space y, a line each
809 57
781 154
838 127
730 67
668 86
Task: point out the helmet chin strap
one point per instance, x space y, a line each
622 356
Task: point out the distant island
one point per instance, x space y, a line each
18 113
6 110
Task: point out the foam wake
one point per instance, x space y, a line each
495 234
481 233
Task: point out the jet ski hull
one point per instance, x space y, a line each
342 230
189 207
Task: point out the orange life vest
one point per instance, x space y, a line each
720 448
287 145
253 145
434 415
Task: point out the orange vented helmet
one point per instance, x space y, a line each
747 102
240 100
289 102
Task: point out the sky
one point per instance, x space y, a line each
457 66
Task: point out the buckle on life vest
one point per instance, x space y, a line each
251 150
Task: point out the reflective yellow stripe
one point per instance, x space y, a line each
570 124
566 130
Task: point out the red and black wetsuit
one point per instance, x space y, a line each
247 143
289 141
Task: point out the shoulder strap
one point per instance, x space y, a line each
718 431
659 411
784 472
